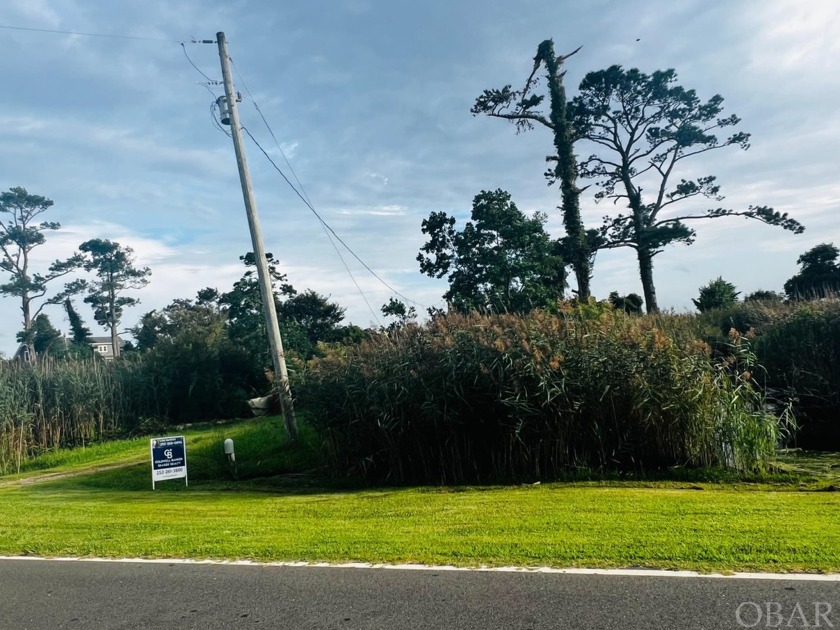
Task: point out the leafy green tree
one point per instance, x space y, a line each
501 260
763 296
115 272
523 109
819 274
21 231
244 308
149 330
644 126
717 294
400 311
180 315
201 371
43 337
316 316
630 303
80 332
79 347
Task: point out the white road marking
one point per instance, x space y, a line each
809 577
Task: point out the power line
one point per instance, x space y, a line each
212 81
50 30
270 130
325 224
305 197
303 190
350 273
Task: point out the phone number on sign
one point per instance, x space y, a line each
170 471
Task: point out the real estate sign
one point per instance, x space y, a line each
169 459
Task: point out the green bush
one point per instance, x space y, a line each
801 353
203 376
504 397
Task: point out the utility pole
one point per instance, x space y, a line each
278 357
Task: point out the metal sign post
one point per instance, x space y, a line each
169 459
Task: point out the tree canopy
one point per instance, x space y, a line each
716 294
501 261
819 274
21 231
115 273
643 127
43 337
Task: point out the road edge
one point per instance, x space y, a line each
811 577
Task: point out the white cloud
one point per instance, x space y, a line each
377 123
794 38
36 13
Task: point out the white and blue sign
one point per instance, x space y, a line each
169 459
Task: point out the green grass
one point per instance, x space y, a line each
780 526
260 447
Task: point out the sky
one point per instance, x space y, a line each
369 101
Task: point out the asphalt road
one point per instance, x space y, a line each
51 595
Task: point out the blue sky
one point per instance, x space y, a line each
370 101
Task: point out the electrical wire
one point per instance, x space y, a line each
304 196
270 130
350 273
325 224
212 81
49 30
213 107
329 238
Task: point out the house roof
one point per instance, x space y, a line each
103 340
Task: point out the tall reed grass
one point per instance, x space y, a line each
503 397
67 403
63 402
798 345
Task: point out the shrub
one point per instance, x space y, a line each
717 294
801 353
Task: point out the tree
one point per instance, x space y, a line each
501 260
522 108
400 311
762 295
244 309
819 275
42 337
717 294
187 350
316 316
20 233
644 126
630 303
80 332
151 328
115 272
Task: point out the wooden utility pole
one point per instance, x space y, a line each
277 355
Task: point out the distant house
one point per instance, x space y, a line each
23 354
103 346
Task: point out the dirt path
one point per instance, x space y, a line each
25 481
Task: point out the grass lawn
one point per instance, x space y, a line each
785 526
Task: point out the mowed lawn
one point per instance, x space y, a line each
706 527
